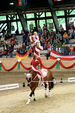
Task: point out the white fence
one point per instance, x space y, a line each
9 86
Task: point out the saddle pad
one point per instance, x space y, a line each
44 72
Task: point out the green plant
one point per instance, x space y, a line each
23 84
61 80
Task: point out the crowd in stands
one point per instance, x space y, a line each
48 39
7 43
57 40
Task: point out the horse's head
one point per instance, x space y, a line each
30 76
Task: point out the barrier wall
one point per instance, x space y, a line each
9 62
17 76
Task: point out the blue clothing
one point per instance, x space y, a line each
24 38
58 35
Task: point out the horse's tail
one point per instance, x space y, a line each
52 82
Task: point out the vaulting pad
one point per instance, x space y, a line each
44 72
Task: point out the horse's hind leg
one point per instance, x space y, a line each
45 90
49 83
34 98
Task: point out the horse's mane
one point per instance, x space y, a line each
33 72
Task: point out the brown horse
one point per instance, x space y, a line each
33 81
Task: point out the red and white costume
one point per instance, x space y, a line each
37 50
34 64
34 39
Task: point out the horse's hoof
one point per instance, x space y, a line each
27 103
34 99
46 96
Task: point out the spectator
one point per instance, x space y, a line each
20 45
10 50
53 35
70 31
71 50
61 39
25 39
13 41
0 53
54 45
59 44
65 36
28 39
74 50
61 30
58 35
24 48
62 50
39 30
2 38
4 53
56 39
73 34
42 41
45 44
48 45
30 52
44 27
67 50
48 55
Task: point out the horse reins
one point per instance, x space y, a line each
32 80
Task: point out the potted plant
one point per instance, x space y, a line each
61 81
23 84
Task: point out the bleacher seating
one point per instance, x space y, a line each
71 42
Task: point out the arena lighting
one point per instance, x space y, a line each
11 3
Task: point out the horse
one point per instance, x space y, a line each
33 81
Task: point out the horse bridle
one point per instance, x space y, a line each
32 80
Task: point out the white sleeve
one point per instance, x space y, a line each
30 39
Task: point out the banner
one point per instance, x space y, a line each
55 55
22 2
19 2
21 56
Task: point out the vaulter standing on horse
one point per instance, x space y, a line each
36 61
35 74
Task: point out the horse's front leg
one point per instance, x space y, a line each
32 93
34 98
45 90
29 99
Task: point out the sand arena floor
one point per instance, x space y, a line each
61 100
